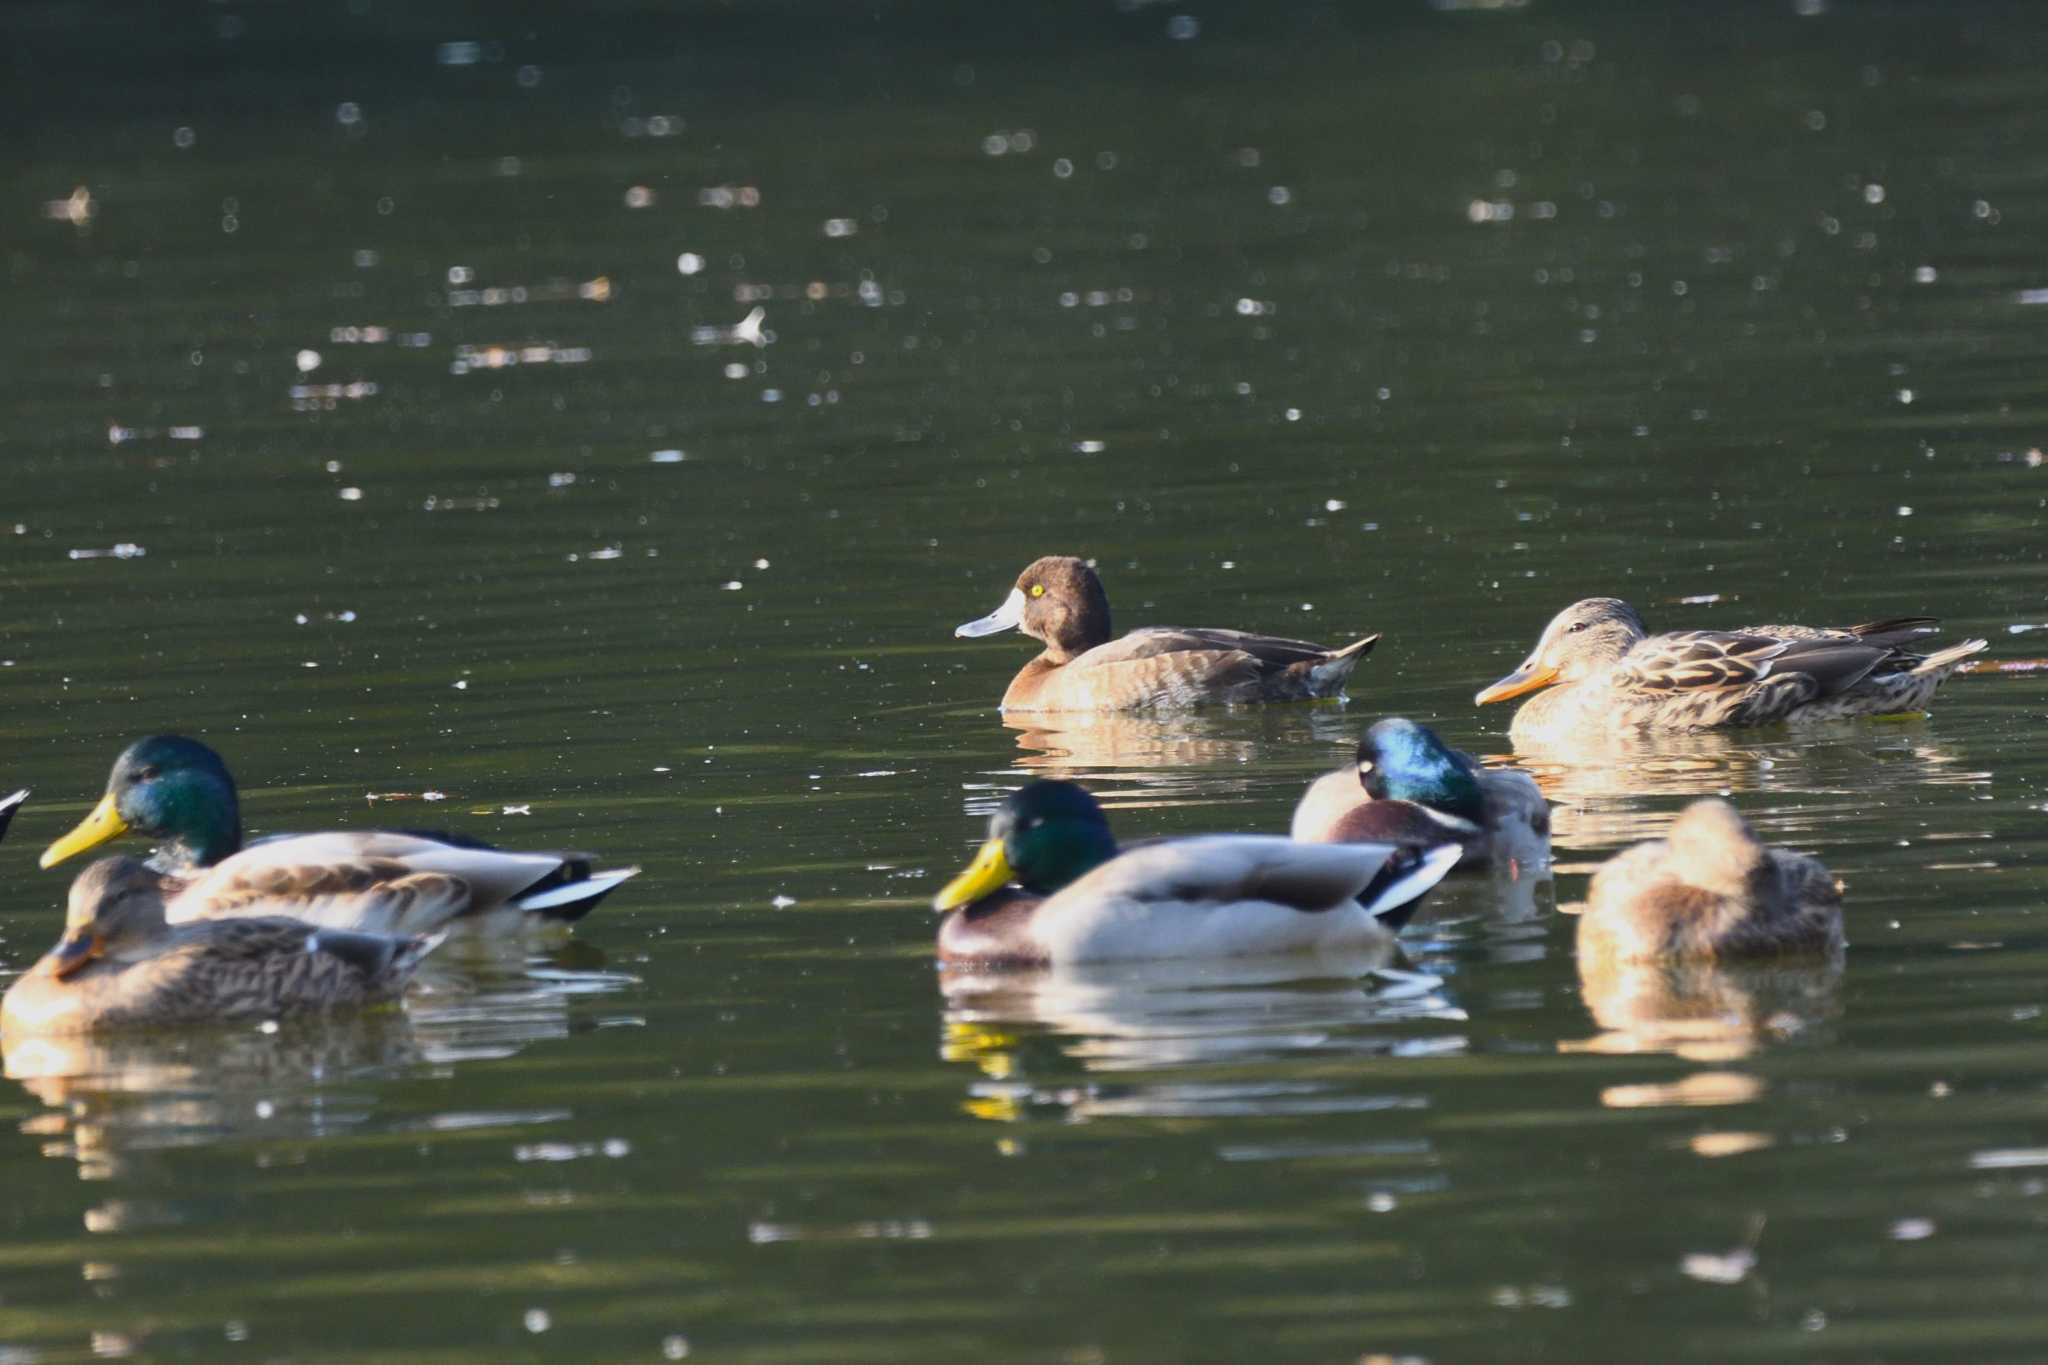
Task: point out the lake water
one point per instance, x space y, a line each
372 411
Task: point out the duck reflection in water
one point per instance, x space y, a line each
113 1098
1599 785
1077 1042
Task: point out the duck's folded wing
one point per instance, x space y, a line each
1701 659
365 895
1236 867
1156 640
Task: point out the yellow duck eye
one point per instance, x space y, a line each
1038 589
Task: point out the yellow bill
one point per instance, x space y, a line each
990 871
1526 679
95 829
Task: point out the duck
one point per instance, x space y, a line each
9 806
1051 887
179 792
1605 673
121 963
1409 787
1709 890
1059 600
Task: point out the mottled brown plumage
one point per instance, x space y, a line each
1060 601
1709 889
121 964
1603 673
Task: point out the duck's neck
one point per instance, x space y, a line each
200 844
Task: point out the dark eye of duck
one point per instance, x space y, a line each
1578 625
149 774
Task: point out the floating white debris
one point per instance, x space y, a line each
760 563
124 550
537 1320
76 208
729 197
516 810
1090 447
2008 1158
1334 504
639 197
460 684
458 54
1925 274
689 263
349 494
561 480
781 902
732 585
307 361
607 552
1730 1268
666 457
748 331
841 227
1702 599
327 397
1912 1230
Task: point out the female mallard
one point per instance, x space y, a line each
1409 787
178 791
1077 898
1709 889
1605 673
1060 601
120 963
8 806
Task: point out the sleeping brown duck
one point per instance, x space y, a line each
1059 600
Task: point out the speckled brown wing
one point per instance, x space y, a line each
372 895
1151 668
260 967
1703 659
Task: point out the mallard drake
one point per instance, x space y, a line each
121 964
1078 898
8 806
1605 672
1060 601
1709 889
178 791
1409 787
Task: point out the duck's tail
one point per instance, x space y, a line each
410 953
1942 662
1327 675
8 806
572 893
1395 893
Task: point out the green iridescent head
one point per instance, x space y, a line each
1043 837
171 789
1399 760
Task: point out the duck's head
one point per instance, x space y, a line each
1713 848
1399 760
171 789
1042 837
1585 636
116 903
1059 600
